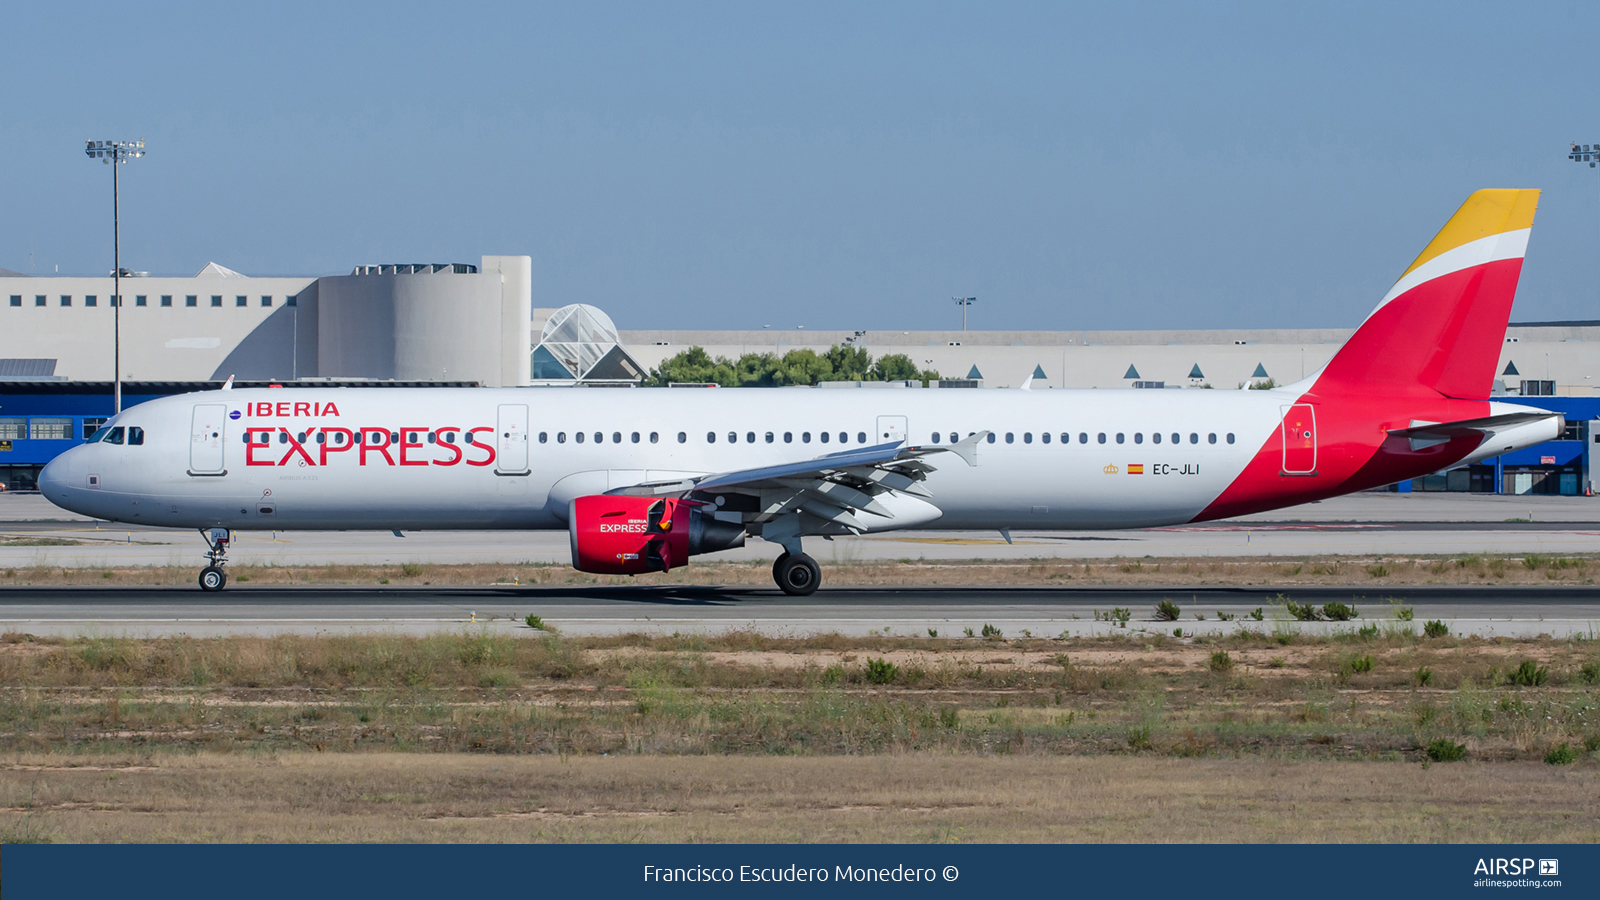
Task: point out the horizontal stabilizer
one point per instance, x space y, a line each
1427 434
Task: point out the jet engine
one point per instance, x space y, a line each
621 535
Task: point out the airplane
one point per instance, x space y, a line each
644 479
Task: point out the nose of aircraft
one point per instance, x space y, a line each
53 481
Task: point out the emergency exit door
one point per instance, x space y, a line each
891 430
511 440
1299 440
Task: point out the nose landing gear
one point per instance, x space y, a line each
213 578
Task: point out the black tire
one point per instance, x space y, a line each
798 575
213 579
777 566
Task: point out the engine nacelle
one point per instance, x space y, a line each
621 535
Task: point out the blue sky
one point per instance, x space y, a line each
828 165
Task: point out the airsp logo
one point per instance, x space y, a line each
1515 867
1549 867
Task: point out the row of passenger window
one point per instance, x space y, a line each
711 437
1083 437
447 436
144 300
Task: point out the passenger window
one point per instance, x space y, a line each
805 437
635 437
750 437
450 437
1156 437
682 438
300 438
1138 437
1083 438
599 437
1177 438
1045 437
616 437
1211 438
936 437
733 437
861 437
394 437
283 437
561 437
544 437
1194 438
135 436
824 437
991 437
432 438
579 436
654 437
1120 437
788 437
115 436
711 437
1230 437
955 437
1027 437
322 437
1102 437
769 437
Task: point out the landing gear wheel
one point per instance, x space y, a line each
213 579
797 574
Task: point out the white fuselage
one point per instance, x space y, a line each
1058 459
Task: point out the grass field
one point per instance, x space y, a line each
1320 570
1265 734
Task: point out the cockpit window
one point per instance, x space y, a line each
135 436
99 435
115 436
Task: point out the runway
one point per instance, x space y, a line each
1509 611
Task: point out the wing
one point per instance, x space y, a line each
836 488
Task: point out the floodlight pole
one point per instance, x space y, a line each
115 153
1581 153
964 302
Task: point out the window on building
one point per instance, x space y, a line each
39 300
292 300
166 299
90 300
66 299
17 429
50 429
90 425
241 300
139 300
16 299
216 299
191 300
266 299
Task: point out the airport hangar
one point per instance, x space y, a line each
475 324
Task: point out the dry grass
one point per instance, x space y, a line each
743 736
893 798
1329 570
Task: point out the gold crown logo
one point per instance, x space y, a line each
1110 469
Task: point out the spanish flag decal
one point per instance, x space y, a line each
1135 468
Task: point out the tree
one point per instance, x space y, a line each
807 367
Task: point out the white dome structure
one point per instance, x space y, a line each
580 343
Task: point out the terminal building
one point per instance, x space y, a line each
475 324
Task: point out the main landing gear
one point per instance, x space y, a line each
212 577
797 574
